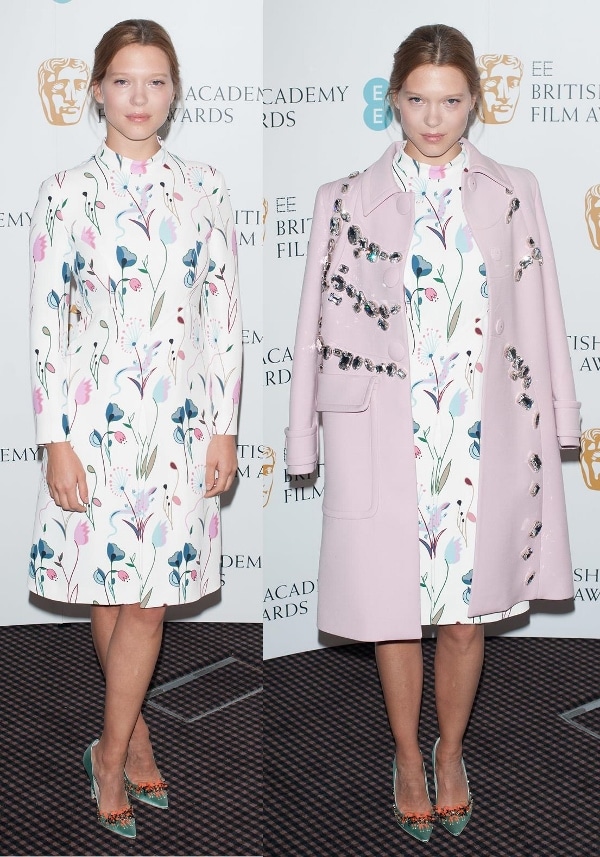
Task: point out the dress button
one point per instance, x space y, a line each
391 277
396 350
499 326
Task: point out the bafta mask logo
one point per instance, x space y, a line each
267 471
592 214
500 87
589 458
62 86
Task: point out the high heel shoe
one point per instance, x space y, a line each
154 794
122 821
453 818
416 824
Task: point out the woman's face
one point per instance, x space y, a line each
136 92
434 103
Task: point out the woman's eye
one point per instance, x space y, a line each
157 82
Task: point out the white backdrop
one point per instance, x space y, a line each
325 74
220 51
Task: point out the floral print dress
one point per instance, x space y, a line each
136 361
446 310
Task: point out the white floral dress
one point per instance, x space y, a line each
136 360
447 304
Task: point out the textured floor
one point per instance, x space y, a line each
535 779
50 709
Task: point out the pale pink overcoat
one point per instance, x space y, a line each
369 562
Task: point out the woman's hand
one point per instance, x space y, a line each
66 477
221 464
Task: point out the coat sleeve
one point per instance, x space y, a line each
566 408
302 446
50 259
222 316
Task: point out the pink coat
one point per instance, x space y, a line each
351 366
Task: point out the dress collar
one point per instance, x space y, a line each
113 161
379 183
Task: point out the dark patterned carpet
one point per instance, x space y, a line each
51 707
535 778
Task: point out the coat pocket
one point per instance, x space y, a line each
349 410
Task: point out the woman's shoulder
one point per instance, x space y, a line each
68 176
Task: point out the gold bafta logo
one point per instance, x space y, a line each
592 214
500 87
62 87
267 471
589 458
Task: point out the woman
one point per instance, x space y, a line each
431 339
136 359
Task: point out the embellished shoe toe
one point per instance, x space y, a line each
121 821
453 818
417 825
154 794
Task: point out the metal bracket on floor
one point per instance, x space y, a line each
179 682
570 716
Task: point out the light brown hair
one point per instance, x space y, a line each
134 31
435 44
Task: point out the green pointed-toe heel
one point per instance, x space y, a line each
121 822
453 818
417 825
154 794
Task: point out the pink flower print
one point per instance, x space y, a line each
194 574
418 452
436 172
135 284
213 527
431 294
122 575
198 434
38 402
81 534
138 168
51 574
88 236
119 437
82 393
236 392
89 285
39 248
213 289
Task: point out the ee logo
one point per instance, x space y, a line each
377 114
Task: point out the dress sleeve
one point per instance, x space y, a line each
50 258
302 433
566 407
222 315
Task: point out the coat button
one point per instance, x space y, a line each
499 326
529 578
391 277
396 350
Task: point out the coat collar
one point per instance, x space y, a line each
378 182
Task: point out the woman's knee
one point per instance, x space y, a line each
461 635
149 617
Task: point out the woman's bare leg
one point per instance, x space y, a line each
400 667
458 663
140 764
129 662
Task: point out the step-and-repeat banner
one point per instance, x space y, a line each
47 55
324 116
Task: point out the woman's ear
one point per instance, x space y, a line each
97 93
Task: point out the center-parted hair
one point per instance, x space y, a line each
134 31
435 44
